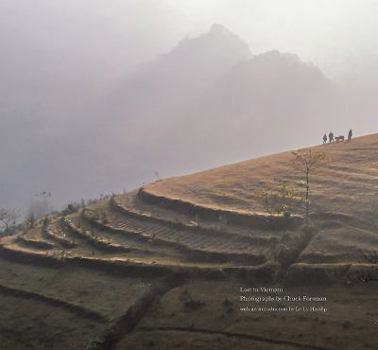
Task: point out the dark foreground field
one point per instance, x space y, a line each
78 308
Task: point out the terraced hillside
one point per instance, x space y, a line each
106 266
344 202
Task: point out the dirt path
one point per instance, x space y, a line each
78 310
127 322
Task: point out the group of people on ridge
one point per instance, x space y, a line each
331 137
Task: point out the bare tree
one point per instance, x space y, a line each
8 218
30 219
306 162
40 207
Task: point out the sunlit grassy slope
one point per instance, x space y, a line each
346 182
343 196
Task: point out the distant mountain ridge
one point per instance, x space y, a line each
208 101
180 75
212 89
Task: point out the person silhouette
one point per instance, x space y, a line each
350 134
324 139
330 136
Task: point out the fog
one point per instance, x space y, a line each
103 96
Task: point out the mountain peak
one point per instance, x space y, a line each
219 41
217 28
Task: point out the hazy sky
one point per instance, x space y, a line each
337 35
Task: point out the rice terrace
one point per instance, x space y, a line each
163 267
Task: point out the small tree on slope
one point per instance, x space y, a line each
8 218
306 162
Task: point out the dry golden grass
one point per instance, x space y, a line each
346 182
344 196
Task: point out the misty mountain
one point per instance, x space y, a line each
171 82
206 102
139 112
197 106
257 104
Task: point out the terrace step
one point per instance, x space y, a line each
193 245
247 235
91 237
135 246
195 239
56 233
34 238
35 243
13 251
